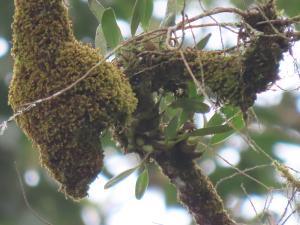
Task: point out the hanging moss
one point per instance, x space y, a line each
65 129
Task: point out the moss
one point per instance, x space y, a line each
65 129
233 78
221 75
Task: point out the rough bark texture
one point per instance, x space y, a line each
195 190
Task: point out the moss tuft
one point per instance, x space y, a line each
65 129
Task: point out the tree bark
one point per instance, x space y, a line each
195 190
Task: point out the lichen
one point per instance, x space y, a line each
64 129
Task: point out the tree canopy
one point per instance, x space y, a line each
180 91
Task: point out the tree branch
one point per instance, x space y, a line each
194 189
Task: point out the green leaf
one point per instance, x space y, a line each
171 129
97 9
236 122
231 114
230 111
166 100
192 89
148 10
184 116
210 130
205 131
215 120
100 40
141 184
203 42
120 177
137 15
110 28
191 105
218 138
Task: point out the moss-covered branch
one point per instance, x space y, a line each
64 129
194 189
234 77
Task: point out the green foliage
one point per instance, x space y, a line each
142 12
230 115
142 184
97 9
138 11
203 42
110 28
190 105
172 128
145 21
118 178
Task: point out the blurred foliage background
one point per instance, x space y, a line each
277 131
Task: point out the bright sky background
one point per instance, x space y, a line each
4 47
119 202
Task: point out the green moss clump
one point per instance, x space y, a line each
64 129
221 75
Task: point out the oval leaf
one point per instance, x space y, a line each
110 28
119 177
97 9
141 184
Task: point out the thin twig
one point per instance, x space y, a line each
243 173
252 204
287 206
238 173
219 27
288 217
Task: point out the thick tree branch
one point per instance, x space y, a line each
195 190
